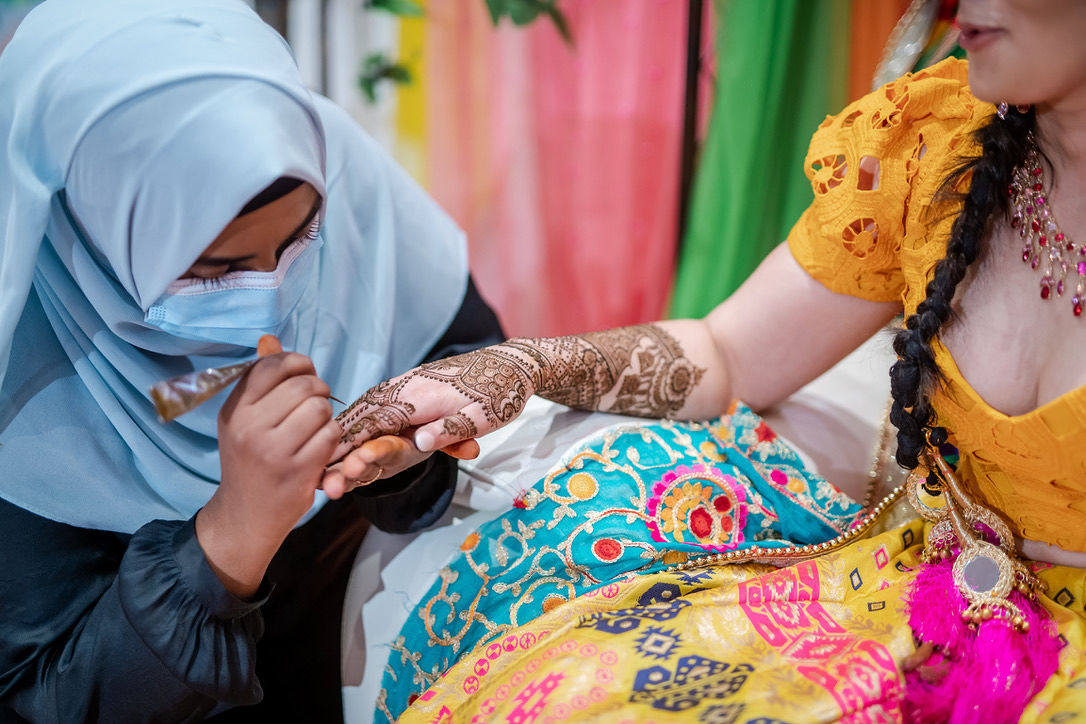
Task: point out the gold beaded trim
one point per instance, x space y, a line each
881 476
785 556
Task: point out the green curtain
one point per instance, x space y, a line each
782 65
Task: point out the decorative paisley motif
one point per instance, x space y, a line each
701 503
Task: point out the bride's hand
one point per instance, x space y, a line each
444 402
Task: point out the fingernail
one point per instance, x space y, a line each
424 441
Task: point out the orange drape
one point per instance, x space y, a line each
872 21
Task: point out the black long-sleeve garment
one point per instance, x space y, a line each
101 626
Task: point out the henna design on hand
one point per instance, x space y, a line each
499 381
389 415
460 426
639 370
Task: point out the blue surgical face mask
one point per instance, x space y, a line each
239 307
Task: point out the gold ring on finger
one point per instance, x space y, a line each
380 472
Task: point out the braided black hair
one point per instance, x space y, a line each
1004 143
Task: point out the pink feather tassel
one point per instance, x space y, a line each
983 675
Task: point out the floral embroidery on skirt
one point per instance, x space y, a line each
632 500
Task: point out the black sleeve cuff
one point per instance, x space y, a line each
197 574
181 611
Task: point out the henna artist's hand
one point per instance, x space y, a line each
276 434
381 458
444 402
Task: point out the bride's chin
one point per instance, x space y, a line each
987 83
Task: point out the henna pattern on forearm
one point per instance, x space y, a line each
640 370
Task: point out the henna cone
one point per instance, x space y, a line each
178 395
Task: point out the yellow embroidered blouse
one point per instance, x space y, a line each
875 168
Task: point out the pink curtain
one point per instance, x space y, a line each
561 162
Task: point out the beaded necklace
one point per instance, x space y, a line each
1061 261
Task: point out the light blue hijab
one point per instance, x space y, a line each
135 131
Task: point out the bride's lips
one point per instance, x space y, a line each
974 37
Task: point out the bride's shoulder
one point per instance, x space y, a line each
928 112
874 167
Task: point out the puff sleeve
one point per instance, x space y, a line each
864 165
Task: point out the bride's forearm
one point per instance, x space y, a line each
664 369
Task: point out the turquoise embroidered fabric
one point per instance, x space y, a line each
633 499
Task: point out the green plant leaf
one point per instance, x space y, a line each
404 8
496 9
560 22
397 73
377 68
373 64
369 88
524 12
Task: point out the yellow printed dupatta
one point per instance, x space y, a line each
819 641
601 596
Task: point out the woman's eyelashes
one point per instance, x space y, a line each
309 235
213 270
314 229
209 271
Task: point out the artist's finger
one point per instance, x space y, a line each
390 455
270 371
298 428
387 450
356 466
279 404
334 483
465 450
367 460
384 449
353 460
318 447
355 473
458 427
